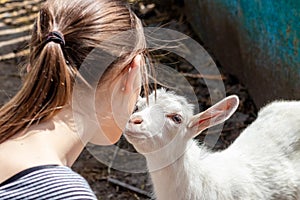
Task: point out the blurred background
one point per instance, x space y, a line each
255 45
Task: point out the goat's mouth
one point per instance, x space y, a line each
136 134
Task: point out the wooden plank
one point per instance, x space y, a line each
21 20
14 55
12 31
15 41
8 7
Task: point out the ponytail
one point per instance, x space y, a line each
46 89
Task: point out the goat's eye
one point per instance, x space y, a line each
175 118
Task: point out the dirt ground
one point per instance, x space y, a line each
108 183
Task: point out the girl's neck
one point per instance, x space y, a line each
51 142
67 142
59 135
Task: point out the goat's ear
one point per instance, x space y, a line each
215 115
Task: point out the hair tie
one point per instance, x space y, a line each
56 37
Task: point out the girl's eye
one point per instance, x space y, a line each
176 118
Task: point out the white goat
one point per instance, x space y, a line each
262 164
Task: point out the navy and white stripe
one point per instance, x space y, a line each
46 182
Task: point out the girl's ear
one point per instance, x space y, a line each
215 115
28 68
133 71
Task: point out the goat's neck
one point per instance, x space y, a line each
181 177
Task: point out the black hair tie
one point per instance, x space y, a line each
56 37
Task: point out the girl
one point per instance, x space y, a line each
39 137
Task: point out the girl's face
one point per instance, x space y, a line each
115 102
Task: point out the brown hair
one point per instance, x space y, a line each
84 24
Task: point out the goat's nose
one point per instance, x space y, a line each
136 120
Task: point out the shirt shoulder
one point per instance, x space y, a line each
46 182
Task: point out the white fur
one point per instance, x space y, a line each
262 164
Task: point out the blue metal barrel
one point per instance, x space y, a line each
257 40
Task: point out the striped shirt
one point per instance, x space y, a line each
46 182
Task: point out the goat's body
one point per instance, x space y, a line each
262 164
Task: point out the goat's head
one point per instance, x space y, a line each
168 116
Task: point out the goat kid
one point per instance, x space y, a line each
262 164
